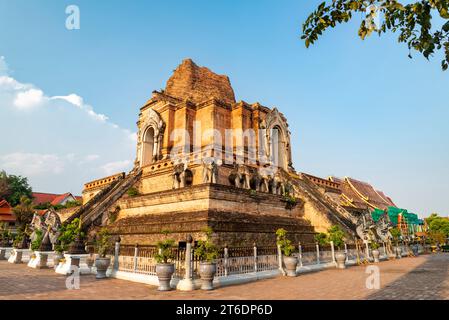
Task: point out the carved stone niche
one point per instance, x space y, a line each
276 140
151 133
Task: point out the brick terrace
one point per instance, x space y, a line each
424 277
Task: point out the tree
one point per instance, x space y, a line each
413 21
12 188
24 213
337 236
322 239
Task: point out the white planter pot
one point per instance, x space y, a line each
340 258
290 265
376 255
164 273
102 265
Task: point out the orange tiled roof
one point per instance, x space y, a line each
359 194
6 214
53 199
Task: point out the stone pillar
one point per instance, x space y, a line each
116 254
318 254
367 250
300 254
226 255
136 252
333 252
281 268
187 284
255 258
346 252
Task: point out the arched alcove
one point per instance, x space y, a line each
278 151
148 147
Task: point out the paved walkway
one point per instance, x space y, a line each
424 277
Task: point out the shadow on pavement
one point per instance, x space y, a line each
428 281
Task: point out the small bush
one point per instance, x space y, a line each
286 245
132 192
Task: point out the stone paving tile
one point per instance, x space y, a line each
424 277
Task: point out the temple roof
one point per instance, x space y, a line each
199 84
6 214
359 194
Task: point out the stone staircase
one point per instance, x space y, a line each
92 210
336 213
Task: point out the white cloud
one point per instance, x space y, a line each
78 101
60 142
29 99
115 167
32 164
3 66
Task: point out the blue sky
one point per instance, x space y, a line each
355 108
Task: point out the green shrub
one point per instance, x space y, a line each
103 242
206 250
69 232
37 242
165 253
286 245
374 245
132 192
322 239
337 236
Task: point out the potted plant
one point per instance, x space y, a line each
38 240
58 256
287 250
207 252
375 251
396 234
103 245
336 235
164 268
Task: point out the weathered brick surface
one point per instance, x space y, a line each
424 277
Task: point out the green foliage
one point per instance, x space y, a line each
5 234
18 238
69 232
13 188
290 200
37 242
412 21
322 239
286 245
43 206
374 245
437 237
439 224
337 236
206 250
24 212
103 242
396 234
132 192
165 253
59 248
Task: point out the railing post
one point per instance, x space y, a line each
300 254
333 252
188 261
367 250
186 284
346 252
136 252
255 257
281 268
317 253
116 253
226 255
